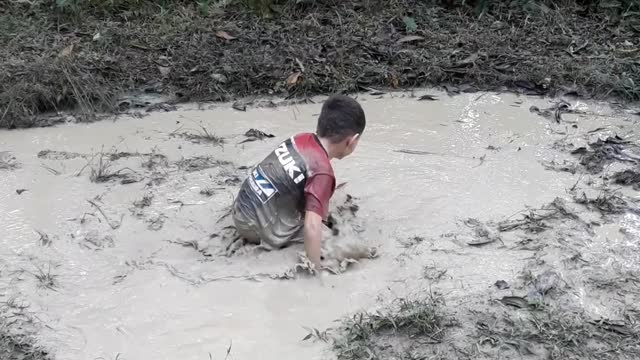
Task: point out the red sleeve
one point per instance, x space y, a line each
317 193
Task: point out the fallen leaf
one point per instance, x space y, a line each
255 134
258 134
225 35
375 92
427 97
614 326
410 38
239 106
515 301
394 81
481 241
96 37
293 79
451 90
300 64
469 59
501 284
20 191
219 78
164 70
410 24
525 84
66 52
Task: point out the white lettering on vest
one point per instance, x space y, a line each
288 164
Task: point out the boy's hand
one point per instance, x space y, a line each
313 238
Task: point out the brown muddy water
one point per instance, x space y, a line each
115 244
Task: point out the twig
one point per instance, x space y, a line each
111 224
51 170
229 349
415 152
481 160
573 188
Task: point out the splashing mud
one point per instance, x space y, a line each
119 241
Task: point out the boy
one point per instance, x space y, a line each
286 197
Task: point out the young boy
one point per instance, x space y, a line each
286 197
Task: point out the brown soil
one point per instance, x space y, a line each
86 59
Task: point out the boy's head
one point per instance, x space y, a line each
341 122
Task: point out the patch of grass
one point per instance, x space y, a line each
155 160
51 85
361 335
202 136
101 171
16 341
629 177
46 279
539 220
558 334
607 202
433 273
198 163
144 202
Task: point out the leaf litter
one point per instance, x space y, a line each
601 153
367 42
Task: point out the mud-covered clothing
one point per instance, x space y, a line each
296 177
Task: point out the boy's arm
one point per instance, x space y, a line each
318 191
313 237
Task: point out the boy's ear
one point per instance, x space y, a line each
354 138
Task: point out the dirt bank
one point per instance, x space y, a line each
54 58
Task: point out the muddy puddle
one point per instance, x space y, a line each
114 239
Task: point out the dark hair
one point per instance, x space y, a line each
341 116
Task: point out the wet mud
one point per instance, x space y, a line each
449 236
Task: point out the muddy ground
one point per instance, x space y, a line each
512 232
100 56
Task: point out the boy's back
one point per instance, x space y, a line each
273 196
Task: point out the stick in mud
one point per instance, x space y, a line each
113 225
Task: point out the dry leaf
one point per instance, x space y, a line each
239 106
66 52
427 97
469 59
225 35
164 70
410 38
394 81
293 79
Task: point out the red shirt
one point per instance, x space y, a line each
321 180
